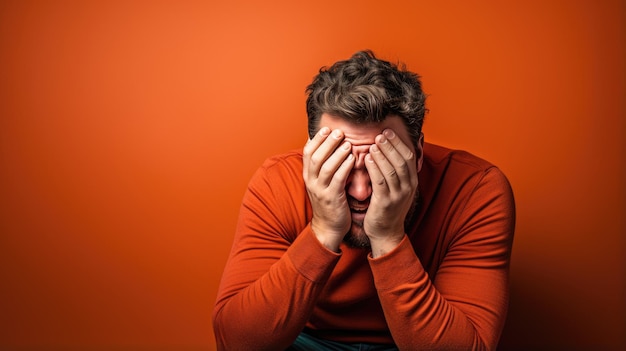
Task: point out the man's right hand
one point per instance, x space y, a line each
327 162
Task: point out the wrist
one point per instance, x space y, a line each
330 241
383 246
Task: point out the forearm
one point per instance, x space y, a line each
269 313
422 316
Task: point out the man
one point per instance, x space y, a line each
369 238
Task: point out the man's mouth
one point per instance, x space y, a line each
358 209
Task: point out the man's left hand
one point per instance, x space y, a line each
391 165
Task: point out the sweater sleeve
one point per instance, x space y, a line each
464 307
276 268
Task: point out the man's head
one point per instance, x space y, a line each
365 89
362 97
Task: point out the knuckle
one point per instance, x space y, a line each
315 159
306 151
410 156
380 182
326 168
403 169
388 148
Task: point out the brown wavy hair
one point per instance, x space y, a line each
365 89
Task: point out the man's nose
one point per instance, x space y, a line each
360 160
359 185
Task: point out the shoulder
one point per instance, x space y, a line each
456 174
469 193
288 160
438 156
441 162
285 169
279 175
276 195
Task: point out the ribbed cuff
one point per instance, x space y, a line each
397 267
314 261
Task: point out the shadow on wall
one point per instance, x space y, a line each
552 306
534 319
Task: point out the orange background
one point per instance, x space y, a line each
129 129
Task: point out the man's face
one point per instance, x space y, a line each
358 185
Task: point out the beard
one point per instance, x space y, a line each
356 236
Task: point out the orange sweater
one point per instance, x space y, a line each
445 286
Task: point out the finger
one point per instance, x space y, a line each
400 155
329 168
377 179
384 166
338 182
311 146
403 150
324 151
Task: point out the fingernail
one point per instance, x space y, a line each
336 134
389 134
345 146
374 148
382 139
324 131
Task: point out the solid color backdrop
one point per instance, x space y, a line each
129 129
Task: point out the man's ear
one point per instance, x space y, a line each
419 149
